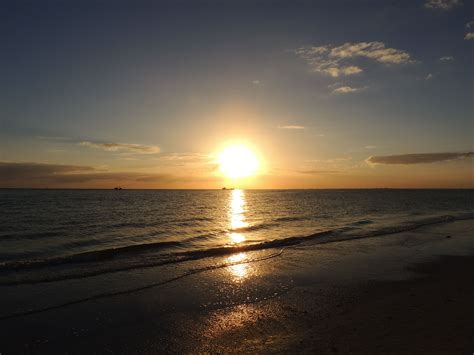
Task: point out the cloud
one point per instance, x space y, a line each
14 170
470 24
126 147
442 4
338 71
429 76
370 146
446 59
184 156
336 60
346 90
469 35
373 50
15 174
291 127
423 158
256 82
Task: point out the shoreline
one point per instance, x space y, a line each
393 295
328 236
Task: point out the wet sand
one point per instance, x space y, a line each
409 293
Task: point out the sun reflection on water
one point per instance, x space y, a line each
236 222
237 238
237 216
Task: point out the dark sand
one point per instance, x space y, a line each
408 293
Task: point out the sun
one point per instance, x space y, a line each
238 161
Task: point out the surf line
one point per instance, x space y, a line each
337 235
141 288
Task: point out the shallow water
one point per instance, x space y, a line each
48 235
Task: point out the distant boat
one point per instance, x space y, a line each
118 188
225 188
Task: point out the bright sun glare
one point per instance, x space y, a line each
238 161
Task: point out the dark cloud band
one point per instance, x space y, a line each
38 174
406 159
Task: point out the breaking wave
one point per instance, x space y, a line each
109 260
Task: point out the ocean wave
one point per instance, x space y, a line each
362 222
95 255
292 218
34 235
254 227
177 221
323 237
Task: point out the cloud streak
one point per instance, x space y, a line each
423 158
337 61
442 4
15 174
446 59
347 90
185 156
13 170
123 147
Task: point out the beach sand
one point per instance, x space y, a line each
410 293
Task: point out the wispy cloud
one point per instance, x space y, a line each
291 127
469 36
256 82
429 76
337 60
422 158
184 156
442 4
470 24
446 59
347 90
370 147
124 147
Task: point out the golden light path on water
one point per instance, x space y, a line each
237 221
237 216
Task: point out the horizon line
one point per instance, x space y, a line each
229 189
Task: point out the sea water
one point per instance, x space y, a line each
52 235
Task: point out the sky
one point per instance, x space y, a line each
327 94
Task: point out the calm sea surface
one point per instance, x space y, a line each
81 232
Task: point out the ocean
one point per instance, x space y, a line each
54 235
